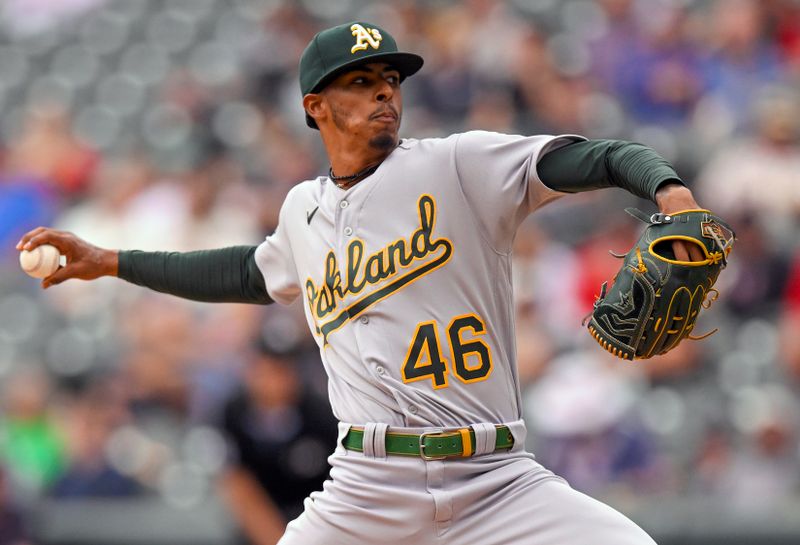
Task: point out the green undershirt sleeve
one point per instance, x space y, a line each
226 275
593 164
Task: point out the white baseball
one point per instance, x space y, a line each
40 262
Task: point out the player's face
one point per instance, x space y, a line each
366 103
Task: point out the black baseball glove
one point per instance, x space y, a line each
655 299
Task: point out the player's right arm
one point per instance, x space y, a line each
225 275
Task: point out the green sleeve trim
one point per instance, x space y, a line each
226 275
594 164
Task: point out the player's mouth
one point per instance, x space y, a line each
386 115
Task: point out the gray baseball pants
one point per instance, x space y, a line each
491 499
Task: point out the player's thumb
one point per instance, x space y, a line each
61 274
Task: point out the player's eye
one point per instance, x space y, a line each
393 79
359 80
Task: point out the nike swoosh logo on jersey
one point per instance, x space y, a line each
310 215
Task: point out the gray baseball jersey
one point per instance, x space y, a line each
406 278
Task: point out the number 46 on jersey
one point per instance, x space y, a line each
470 356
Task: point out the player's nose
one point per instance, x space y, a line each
384 91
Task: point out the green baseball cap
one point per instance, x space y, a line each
341 48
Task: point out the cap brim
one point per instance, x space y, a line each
407 64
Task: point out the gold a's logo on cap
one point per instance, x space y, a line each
365 37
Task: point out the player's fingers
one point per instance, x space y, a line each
28 236
66 243
47 236
679 248
695 253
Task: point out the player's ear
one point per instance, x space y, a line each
315 106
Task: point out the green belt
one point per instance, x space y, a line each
430 445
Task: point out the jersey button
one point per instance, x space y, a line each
412 409
348 231
380 370
365 320
344 204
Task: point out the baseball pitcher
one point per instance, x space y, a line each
401 256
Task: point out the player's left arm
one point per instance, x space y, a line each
594 164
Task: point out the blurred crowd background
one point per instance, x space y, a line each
177 125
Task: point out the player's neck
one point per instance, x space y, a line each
349 163
348 160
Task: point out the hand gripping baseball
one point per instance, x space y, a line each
84 261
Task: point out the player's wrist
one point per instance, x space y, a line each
673 197
109 262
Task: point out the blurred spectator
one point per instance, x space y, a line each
790 322
205 207
659 76
495 30
549 101
758 175
33 16
581 411
492 111
755 281
545 280
155 367
610 50
31 444
741 60
272 54
97 412
449 86
281 156
786 17
761 475
535 346
280 436
12 524
103 215
681 364
595 264
25 203
712 462
48 150
222 336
